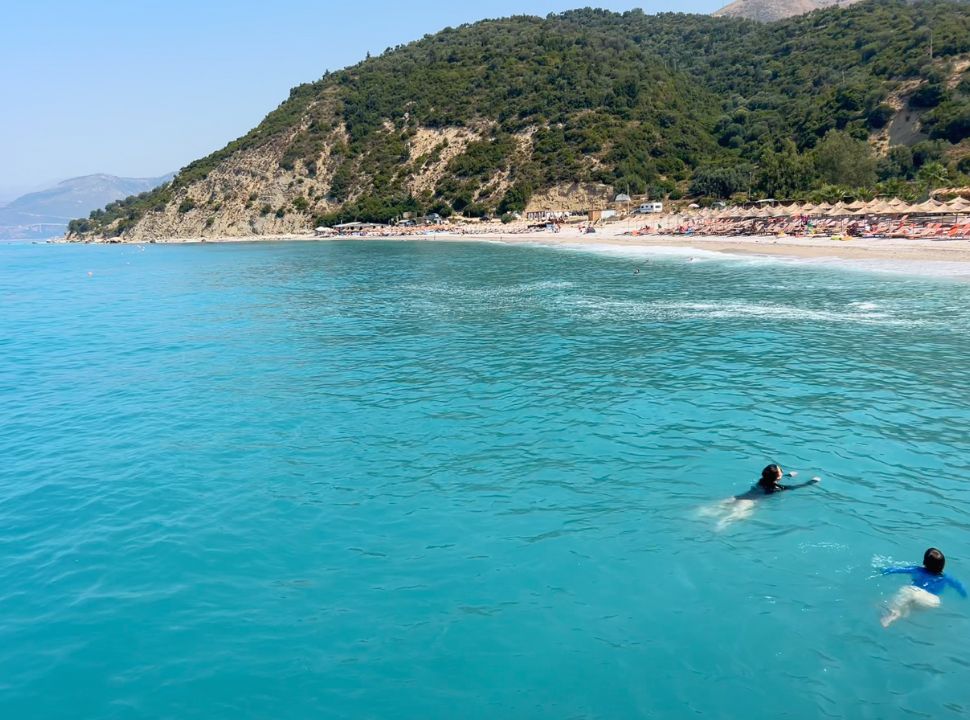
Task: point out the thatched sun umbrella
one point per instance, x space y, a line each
880 207
958 204
898 205
931 207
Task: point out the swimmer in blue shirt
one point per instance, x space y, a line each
929 581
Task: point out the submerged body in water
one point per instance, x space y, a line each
929 582
742 506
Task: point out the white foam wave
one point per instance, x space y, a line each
940 269
823 545
881 562
601 307
641 251
490 294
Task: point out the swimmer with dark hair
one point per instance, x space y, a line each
929 582
769 483
742 506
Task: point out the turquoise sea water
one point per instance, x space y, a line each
416 480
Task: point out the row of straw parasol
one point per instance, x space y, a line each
875 207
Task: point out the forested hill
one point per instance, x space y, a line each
492 117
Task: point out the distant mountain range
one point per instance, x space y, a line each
771 10
45 213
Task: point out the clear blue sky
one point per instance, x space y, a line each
142 87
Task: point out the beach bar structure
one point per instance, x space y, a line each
356 227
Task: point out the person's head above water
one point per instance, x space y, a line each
771 475
934 561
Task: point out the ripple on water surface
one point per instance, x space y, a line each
419 480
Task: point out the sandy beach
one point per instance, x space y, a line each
937 257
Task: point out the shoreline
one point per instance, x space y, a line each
907 255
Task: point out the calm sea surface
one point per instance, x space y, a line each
416 480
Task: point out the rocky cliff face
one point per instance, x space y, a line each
771 10
252 193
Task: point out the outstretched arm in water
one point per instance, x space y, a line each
907 570
956 585
813 481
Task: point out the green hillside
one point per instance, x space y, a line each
668 104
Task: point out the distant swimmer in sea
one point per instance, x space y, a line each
742 506
637 271
770 483
929 581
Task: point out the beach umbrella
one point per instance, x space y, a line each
840 208
856 206
879 207
931 207
958 204
897 204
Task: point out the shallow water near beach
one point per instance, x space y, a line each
423 480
